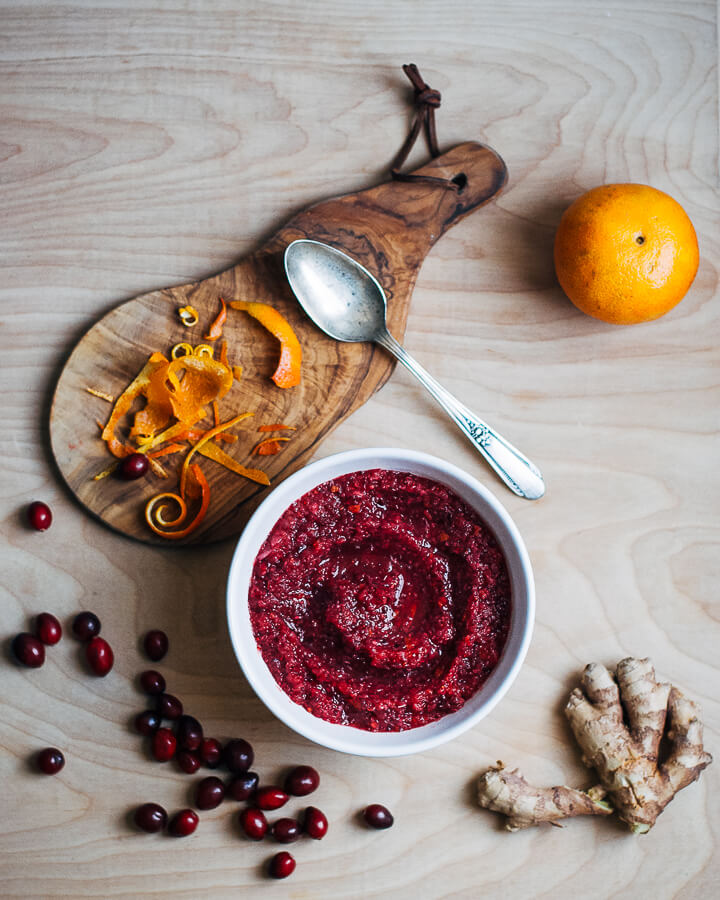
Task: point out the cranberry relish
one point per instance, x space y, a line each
381 600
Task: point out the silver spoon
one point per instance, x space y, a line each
346 302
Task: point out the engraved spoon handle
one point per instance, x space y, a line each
519 474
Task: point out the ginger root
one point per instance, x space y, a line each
637 785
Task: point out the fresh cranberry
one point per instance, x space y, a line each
183 823
286 831
150 817
133 466
242 787
39 515
238 756
86 625
147 722
281 865
99 656
152 682
28 650
50 760
188 762
209 793
163 745
271 798
378 816
169 707
254 823
48 629
315 823
189 733
302 780
211 752
156 645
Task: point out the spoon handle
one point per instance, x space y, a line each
519 474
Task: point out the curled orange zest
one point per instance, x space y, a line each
188 316
216 413
277 428
165 451
212 451
287 373
101 394
237 372
157 469
270 446
216 328
137 386
208 436
223 354
196 483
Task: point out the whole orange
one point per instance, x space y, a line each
625 253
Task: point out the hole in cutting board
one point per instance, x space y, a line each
460 180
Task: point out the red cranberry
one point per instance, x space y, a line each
301 781
39 515
286 831
152 682
169 707
254 823
48 629
50 760
238 756
147 722
315 823
163 745
189 733
156 645
281 865
28 650
378 816
209 793
86 625
99 656
243 786
133 466
150 817
271 798
188 762
211 752
183 823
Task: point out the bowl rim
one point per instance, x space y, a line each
346 738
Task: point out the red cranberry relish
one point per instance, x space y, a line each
380 600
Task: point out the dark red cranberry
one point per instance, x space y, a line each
150 817
378 816
183 823
39 515
211 752
156 645
86 625
243 786
301 781
133 466
152 682
271 797
281 865
28 650
50 760
99 656
169 707
188 762
189 733
254 823
238 756
147 722
315 823
286 831
48 629
163 745
209 793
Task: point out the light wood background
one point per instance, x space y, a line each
146 144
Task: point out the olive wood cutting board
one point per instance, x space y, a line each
388 228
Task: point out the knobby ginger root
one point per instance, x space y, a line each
636 784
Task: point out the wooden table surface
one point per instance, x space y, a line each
147 144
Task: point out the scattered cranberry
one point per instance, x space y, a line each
50 760
315 823
156 645
48 629
150 817
147 722
28 650
243 786
152 682
286 831
183 823
189 733
133 466
169 707
238 756
99 656
86 625
378 816
281 865
271 798
211 752
301 781
188 762
163 745
254 823
39 515
210 792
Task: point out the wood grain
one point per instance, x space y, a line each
152 143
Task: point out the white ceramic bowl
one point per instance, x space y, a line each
343 737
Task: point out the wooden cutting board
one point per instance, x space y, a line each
389 229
